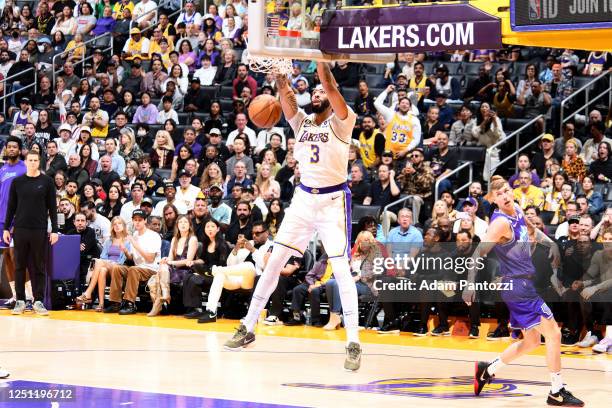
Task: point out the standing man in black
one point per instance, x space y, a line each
31 202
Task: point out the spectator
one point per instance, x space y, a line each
186 193
97 222
601 168
55 162
242 127
346 74
589 150
128 207
85 21
76 172
170 199
113 203
527 194
359 188
196 99
147 112
571 210
594 198
147 175
573 164
446 84
443 161
88 247
461 131
417 179
302 95
145 14
432 125
524 164
481 88
274 218
364 101
105 173
384 190
469 213
446 114
525 86
128 149
206 73
226 71
488 132
146 246
371 142
242 225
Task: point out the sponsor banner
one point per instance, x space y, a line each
443 272
529 15
437 27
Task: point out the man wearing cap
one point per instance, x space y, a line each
24 115
547 152
137 193
145 253
170 194
296 75
527 194
138 45
45 57
215 139
217 208
196 99
187 192
64 141
55 161
147 206
134 82
470 208
145 14
446 84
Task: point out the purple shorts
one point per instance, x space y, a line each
525 305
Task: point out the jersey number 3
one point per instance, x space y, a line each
314 153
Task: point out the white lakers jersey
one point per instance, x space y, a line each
322 150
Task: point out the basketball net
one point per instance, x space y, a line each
268 64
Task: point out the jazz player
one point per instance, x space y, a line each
322 203
507 236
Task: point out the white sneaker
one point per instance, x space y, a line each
589 340
19 307
4 373
40 309
604 346
272 321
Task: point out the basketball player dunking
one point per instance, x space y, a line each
507 236
322 203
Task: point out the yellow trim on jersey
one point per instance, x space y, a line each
399 133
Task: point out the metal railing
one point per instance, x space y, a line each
588 101
385 213
519 148
468 164
109 48
9 80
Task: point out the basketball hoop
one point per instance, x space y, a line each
268 64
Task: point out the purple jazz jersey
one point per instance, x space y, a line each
525 305
7 174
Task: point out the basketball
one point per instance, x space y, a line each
265 111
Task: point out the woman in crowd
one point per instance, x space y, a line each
26 18
439 210
75 49
128 149
567 196
226 72
268 187
432 125
86 21
211 175
230 11
87 161
210 49
173 130
175 266
187 56
85 139
131 173
524 86
115 251
83 94
65 23
178 163
488 131
215 119
89 194
163 151
58 42
44 128
214 254
113 203
230 31
176 75
362 267
553 197
146 112
269 157
594 198
572 164
276 213
128 105
60 182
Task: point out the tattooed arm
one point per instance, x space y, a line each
287 97
336 100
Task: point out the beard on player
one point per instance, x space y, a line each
321 107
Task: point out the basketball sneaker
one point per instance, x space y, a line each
589 340
353 357
208 317
272 321
441 331
605 345
568 339
4 373
9 304
40 309
241 339
563 398
474 332
501 332
389 328
481 376
19 307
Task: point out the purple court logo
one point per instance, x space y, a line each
442 388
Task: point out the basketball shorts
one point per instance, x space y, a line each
525 305
326 211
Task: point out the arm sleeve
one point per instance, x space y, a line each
51 204
379 104
12 205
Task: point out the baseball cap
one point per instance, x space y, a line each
441 95
134 31
207 16
387 153
100 208
147 201
214 131
139 213
25 100
470 201
96 181
248 189
135 65
575 219
195 79
86 129
548 137
217 186
184 172
98 51
169 184
44 40
135 186
401 74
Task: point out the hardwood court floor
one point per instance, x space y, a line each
168 361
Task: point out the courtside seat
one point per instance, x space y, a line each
359 211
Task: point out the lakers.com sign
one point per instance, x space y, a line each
435 27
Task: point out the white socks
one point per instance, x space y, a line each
556 382
28 291
609 331
495 365
12 285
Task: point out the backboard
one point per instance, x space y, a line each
281 31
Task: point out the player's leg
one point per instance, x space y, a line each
558 395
